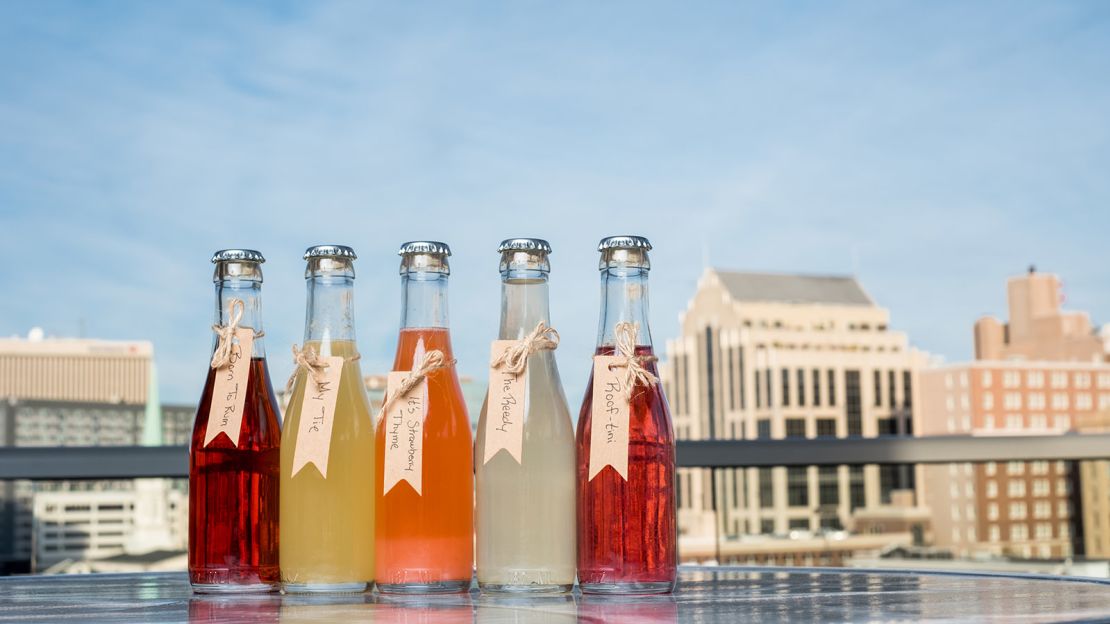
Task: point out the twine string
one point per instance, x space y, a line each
514 359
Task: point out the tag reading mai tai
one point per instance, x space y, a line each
229 392
317 417
504 407
609 429
404 433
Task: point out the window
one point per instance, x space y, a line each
1063 488
857 496
763 428
710 379
1043 531
1012 400
740 376
832 386
1034 379
986 379
826 427
1082 380
995 534
1011 379
992 511
1041 487
1059 379
1036 400
1042 509
1061 421
1104 380
853 407
828 480
816 374
1039 467
767 527
786 387
907 389
797 486
890 389
991 468
878 378
801 387
795 428
766 489
992 489
886 426
1083 401
1015 468
1038 421
988 400
1104 401
1019 532
1015 488
1013 421
798 524
767 386
1063 509
758 391
1065 530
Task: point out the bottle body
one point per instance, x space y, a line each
425 541
525 510
327 505
233 494
627 531
234 471
327 523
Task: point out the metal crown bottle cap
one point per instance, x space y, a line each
330 251
524 244
424 247
238 255
624 242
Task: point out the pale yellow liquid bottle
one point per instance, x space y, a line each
327 524
526 513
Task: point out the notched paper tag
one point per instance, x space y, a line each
317 417
609 424
504 407
229 392
404 433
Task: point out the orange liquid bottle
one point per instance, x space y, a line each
425 504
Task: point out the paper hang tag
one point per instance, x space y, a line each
504 407
404 433
317 417
609 421
229 392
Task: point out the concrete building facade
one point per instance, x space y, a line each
771 356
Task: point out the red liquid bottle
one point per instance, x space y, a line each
627 539
234 459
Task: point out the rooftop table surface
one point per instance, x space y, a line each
711 594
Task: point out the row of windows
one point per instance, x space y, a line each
1038 400
1020 532
797 486
1036 379
1041 487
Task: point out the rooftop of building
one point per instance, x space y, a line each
843 290
37 343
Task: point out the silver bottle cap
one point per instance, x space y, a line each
238 255
330 251
424 257
237 264
624 252
524 254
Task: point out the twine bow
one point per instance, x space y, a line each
635 373
308 359
514 359
226 333
432 361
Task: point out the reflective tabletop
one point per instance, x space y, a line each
725 594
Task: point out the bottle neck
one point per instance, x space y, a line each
423 300
624 299
250 293
524 303
330 315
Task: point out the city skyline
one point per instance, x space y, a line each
957 145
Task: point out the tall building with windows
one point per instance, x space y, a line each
1043 372
79 392
771 356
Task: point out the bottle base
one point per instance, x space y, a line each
440 587
325 588
636 588
235 588
529 589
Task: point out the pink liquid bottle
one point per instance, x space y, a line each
627 539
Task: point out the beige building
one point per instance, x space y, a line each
770 356
1044 372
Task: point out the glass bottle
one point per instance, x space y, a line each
425 526
626 526
327 506
525 508
233 473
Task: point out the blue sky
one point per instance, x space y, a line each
933 149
